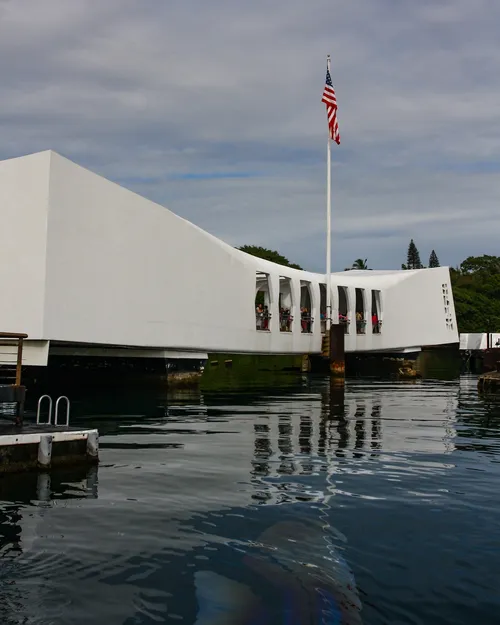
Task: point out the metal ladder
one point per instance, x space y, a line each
56 412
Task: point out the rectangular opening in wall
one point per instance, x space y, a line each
262 302
376 312
360 311
285 304
306 320
344 307
322 307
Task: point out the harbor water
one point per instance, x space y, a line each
292 505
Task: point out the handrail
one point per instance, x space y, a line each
262 318
13 335
286 320
40 405
306 323
56 412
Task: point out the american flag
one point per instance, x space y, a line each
330 99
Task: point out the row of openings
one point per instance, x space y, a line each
286 301
447 309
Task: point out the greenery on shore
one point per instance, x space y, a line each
266 254
476 292
475 284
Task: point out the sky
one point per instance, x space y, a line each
213 109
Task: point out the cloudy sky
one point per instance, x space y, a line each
213 108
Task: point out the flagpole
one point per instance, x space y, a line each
328 224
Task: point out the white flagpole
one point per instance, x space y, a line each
328 224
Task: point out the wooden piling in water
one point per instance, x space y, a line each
337 351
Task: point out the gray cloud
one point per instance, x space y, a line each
213 109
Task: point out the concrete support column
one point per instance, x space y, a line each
45 451
295 310
274 294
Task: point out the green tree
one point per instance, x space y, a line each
359 263
476 292
266 254
433 260
413 257
484 265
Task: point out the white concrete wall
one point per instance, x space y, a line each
120 270
414 309
24 189
123 270
477 340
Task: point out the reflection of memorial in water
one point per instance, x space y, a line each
263 450
285 433
376 430
297 441
283 447
314 435
359 428
305 444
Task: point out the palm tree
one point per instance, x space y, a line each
359 263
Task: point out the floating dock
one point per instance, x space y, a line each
27 446
44 447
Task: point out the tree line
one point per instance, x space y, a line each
413 258
475 284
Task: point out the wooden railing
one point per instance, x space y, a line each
14 361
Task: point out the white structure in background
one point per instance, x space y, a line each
478 340
87 266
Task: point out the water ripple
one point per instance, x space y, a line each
395 482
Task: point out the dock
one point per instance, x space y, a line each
50 441
44 447
490 381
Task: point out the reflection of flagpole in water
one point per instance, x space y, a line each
335 408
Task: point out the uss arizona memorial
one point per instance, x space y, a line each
89 267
